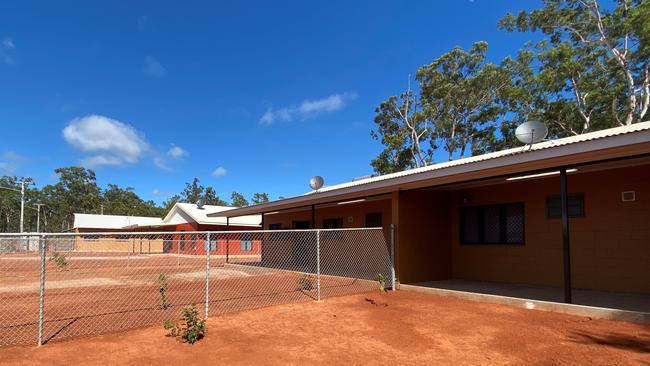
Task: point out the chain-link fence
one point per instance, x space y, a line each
55 286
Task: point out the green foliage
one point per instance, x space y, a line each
593 62
195 191
306 282
190 328
381 279
238 200
260 197
590 71
59 260
162 288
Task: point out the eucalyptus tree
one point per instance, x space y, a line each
459 92
593 62
405 133
238 200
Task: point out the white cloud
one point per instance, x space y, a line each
177 152
142 22
8 44
10 161
219 172
99 160
330 104
155 192
154 68
6 50
110 141
308 108
161 163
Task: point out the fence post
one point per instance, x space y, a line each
207 273
318 265
41 297
178 252
392 257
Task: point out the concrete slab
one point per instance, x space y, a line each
596 304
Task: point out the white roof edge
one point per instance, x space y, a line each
598 140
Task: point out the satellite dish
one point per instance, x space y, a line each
200 203
531 132
316 182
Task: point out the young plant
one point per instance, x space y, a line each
190 328
59 260
381 278
306 282
162 284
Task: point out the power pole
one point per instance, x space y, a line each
22 204
38 217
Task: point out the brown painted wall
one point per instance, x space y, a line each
610 245
353 215
424 236
277 250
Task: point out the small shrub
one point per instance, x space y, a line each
190 328
381 278
162 284
59 260
306 282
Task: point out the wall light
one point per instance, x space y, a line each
540 175
353 201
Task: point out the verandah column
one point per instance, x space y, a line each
566 249
394 199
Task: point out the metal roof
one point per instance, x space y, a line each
93 221
179 214
574 149
200 215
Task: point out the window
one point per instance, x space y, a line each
373 219
213 244
246 242
492 224
333 223
576 205
275 226
336 223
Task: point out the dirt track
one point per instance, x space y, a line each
399 328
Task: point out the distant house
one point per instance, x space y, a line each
183 217
103 223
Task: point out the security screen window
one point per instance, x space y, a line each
373 219
246 243
333 223
492 224
336 223
576 206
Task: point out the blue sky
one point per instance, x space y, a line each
246 96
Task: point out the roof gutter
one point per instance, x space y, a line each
624 145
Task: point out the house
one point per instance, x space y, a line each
183 217
571 213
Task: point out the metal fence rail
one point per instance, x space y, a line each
55 286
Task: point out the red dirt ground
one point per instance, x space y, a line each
391 329
94 306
